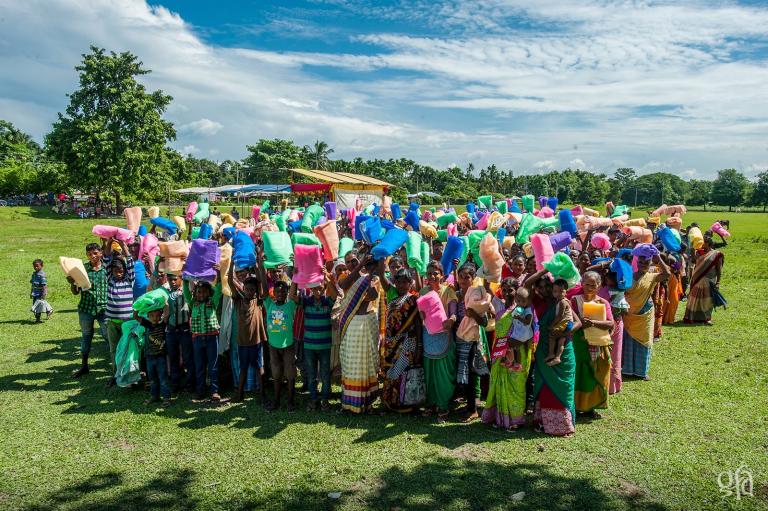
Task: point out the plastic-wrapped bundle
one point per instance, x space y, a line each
413 251
485 201
166 224
132 218
528 201
717 228
479 301
475 237
434 312
110 231
542 249
73 267
471 208
310 218
153 211
303 238
330 210
668 239
448 218
619 211
412 219
345 245
427 230
173 248
634 222
205 232
328 235
202 213
552 203
660 210
453 249
491 258
567 223
513 207
501 206
191 210
482 222
277 249
308 265
397 214
128 353
425 257
531 224
149 247
390 243
244 253
151 301
371 230
561 266
203 255
624 273
560 240
495 221
546 212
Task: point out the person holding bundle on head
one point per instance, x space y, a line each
39 292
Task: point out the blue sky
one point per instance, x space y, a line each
530 85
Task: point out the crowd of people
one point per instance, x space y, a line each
507 314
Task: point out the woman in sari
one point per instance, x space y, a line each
592 350
361 309
707 270
674 289
553 386
639 320
506 402
439 348
401 349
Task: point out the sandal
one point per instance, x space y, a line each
472 417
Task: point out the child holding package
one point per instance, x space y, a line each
251 334
563 323
155 352
39 292
282 351
317 341
205 333
119 298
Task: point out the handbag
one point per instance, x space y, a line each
413 388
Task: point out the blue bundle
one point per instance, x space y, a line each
359 220
229 232
165 224
414 206
567 223
376 209
668 239
471 208
624 273
552 203
396 213
205 232
294 226
390 243
501 234
142 230
244 252
514 208
412 219
371 230
387 224
453 249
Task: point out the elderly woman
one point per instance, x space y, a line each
553 386
707 270
592 347
639 320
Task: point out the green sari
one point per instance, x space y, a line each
553 388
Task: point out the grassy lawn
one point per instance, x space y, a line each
74 444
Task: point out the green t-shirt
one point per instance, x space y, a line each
280 322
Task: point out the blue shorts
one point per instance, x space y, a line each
251 356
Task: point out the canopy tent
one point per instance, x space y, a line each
430 195
343 187
237 189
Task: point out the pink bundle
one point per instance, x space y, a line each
255 212
592 222
479 301
351 215
677 209
328 235
191 210
482 223
132 218
542 249
293 215
149 246
110 231
492 259
601 241
577 210
173 249
619 220
452 230
634 232
434 313
307 265
717 228
661 210
675 222
546 212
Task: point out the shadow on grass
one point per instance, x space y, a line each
445 482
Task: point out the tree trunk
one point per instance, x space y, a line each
118 203
730 208
96 205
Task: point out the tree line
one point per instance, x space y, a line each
112 140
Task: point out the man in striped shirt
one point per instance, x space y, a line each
119 299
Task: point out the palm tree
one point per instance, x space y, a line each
319 153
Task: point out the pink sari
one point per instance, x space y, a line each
618 338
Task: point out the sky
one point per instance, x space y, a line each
530 85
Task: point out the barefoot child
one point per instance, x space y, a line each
522 329
39 291
563 323
282 351
251 334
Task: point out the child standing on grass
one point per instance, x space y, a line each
179 337
317 341
282 349
39 291
119 299
155 352
251 334
205 332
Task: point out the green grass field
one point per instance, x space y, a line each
74 444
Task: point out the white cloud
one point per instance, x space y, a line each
577 164
651 85
202 127
190 149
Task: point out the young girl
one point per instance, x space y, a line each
205 333
119 298
522 329
439 348
39 291
563 323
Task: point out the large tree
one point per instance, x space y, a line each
113 135
730 188
268 156
760 192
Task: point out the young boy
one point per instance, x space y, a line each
119 299
317 341
93 303
205 333
179 337
251 334
39 291
282 351
562 325
155 352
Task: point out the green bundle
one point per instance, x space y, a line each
303 238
